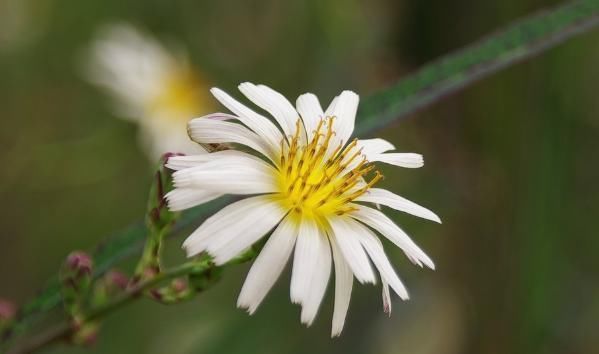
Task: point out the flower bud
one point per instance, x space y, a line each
168 155
8 311
76 278
117 280
179 285
79 264
86 334
107 287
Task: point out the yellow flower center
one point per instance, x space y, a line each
182 96
316 182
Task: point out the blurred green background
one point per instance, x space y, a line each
511 168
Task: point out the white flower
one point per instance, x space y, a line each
157 90
308 185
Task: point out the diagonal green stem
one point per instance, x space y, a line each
522 40
64 330
119 247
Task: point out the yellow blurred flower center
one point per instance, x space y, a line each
182 96
316 182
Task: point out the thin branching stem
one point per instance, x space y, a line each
64 331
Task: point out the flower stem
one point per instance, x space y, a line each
64 330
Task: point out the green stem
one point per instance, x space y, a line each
64 330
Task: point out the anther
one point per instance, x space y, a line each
282 153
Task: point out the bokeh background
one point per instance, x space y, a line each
511 167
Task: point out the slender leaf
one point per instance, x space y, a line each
519 41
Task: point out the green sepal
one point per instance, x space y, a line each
208 273
158 216
201 282
159 221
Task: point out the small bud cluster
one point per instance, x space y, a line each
76 277
8 311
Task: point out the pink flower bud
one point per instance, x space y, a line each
168 155
7 310
80 262
118 279
179 285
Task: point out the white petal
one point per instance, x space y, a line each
344 108
349 243
392 200
229 175
268 265
370 148
374 248
274 103
374 146
185 198
220 116
225 234
211 131
186 161
182 162
318 283
304 261
309 108
343 286
381 223
256 122
407 160
331 107
386 298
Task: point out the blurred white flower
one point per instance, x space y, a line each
311 188
156 89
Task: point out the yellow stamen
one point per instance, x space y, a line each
316 182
